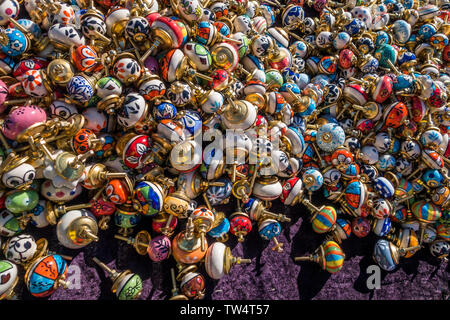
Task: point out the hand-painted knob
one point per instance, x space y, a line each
148 197
135 150
126 285
198 56
45 275
329 256
126 69
324 219
187 251
240 225
330 136
193 285
64 36
137 29
133 110
381 227
126 218
292 188
312 179
80 89
9 276
20 249
20 119
342 230
17 43
19 177
21 201
159 248
221 228
361 227
440 249
85 59
219 194
394 115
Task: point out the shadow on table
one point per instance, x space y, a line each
311 277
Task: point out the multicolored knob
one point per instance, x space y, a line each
8 272
203 219
329 255
9 224
45 275
268 229
324 219
341 230
240 224
148 198
193 285
126 218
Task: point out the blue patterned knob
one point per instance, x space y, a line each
268 229
80 89
17 44
330 136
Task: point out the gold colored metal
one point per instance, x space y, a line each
83 230
140 242
60 71
115 276
175 294
229 260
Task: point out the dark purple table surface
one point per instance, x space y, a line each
271 275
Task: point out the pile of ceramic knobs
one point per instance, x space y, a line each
166 110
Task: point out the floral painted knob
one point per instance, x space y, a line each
126 285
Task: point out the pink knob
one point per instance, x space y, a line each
20 119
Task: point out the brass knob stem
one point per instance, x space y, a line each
312 208
231 40
87 233
82 157
280 217
239 260
203 240
126 239
306 258
103 266
156 43
278 246
174 282
61 283
102 37
166 229
190 227
64 209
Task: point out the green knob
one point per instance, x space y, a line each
130 288
22 201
